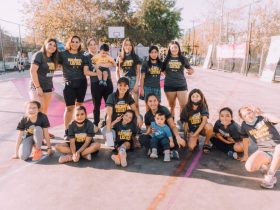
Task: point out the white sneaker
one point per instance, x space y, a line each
154 153
88 157
269 181
166 155
122 154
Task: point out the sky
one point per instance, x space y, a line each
191 10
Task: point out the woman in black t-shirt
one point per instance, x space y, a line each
128 65
175 85
43 65
73 63
81 139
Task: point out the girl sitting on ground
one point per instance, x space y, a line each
194 117
33 128
124 130
260 128
227 134
81 139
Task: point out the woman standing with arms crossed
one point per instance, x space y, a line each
73 63
43 65
128 65
175 85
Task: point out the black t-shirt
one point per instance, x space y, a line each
195 117
125 132
174 70
28 127
232 130
119 105
91 68
263 133
149 117
152 74
45 71
73 65
80 133
129 65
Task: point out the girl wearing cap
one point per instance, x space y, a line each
150 74
175 85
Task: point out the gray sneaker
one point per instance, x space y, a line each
166 155
269 181
154 153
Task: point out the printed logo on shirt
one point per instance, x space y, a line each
261 132
121 107
224 133
51 66
175 65
75 61
127 63
80 137
196 118
154 70
30 130
98 60
125 135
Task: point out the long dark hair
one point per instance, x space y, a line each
70 40
153 47
54 55
168 56
125 81
189 105
133 54
147 98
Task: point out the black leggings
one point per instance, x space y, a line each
222 146
98 92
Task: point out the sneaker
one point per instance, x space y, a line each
100 82
174 154
87 157
65 158
269 181
233 155
116 159
122 154
37 154
264 169
149 152
104 83
51 136
154 153
166 155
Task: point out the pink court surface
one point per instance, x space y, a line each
196 181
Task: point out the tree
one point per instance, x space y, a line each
160 20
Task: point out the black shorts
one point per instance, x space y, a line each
75 94
77 144
175 89
47 91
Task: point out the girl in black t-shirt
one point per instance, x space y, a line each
194 117
33 128
128 65
81 139
150 74
259 127
124 131
73 63
43 65
175 85
227 134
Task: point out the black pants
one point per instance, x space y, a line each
163 142
222 146
98 92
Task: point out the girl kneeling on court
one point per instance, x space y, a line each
194 117
81 139
124 130
260 128
33 128
227 134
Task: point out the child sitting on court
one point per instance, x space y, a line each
194 117
259 127
227 134
160 136
124 131
81 139
103 61
33 128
